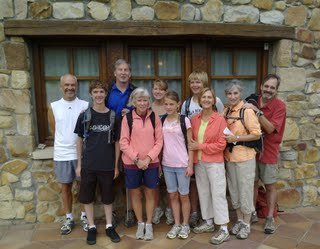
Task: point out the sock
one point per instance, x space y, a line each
141 223
93 226
209 221
108 225
83 214
224 228
69 216
240 220
148 224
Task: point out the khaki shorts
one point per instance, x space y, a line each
267 173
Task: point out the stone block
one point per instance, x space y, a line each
7 178
121 10
15 166
306 171
280 5
19 210
143 13
289 155
305 35
289 198
2 36
46 218
42 177
241 14
42 207
285 174
308 52
28 206
307 131
292 79
6 9
4 79
281 184
296 97
212 11
98 11
23 195
282 53
41 9
301 62
6 210
5 194
311 155
188 12
21 9
297 108
273 17
6 122
296 184
65 10
317 142
240 2
313 182
55 186
291 131
296 16
3 154
263 4
24 125
20 79
147 2
197 16
289 164
314 100
25 179
20 146
15 55
46 194
197 1
310 195
314 23
166 10
30 218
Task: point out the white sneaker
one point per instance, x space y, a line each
204 228
169 216
184 232
220 237
149 232
157 214
84 223
140 231
174 231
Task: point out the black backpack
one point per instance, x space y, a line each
130 121
187 106
182 125
256 144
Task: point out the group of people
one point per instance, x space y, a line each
201 149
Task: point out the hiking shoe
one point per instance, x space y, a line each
140 231
169 216
236 228
92 236
254 217
130 219
220 237
112 234
84 223
204 228
157 214
174 231
149 232
194 219
243 232
184 232
67 227
270 225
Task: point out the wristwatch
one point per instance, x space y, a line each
259 114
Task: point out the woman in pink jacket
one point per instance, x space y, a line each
209 143
141 142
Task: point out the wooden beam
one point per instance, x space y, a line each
42 28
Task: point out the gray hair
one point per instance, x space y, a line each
71 75
137 93
120 62
233 84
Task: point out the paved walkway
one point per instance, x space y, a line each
299 229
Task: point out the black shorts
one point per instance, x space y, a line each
88 183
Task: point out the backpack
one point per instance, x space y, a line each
86 121
187 106
182 125
256 144
262 205
130 121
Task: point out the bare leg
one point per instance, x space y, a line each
67 197
240 215
89 212
135 195
149 195
185 207
108 213
174 199
271 198
246 218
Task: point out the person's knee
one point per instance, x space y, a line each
173 196
184 198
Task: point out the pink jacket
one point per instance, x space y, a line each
214 142
144 141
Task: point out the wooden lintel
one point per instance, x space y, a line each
43 28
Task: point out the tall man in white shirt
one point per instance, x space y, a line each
63 116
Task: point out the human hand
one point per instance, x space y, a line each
116 173
189 170
193 145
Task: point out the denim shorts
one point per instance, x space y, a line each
135 178
176 180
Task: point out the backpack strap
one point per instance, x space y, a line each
241 117
112 118
187 106
86 121
184 129
130 121
163 118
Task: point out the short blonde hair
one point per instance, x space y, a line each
160 83
199 75
137 93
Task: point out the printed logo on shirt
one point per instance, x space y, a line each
100 128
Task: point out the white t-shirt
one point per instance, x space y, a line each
65 115
175 153
195 108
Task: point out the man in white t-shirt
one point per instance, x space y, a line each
63 116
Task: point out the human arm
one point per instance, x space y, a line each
79 155
190 170
116 162
51 121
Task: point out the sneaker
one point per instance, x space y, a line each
169 216
149 232
157 214
194 219
140 231
270 225
243 232
254 217
91 236
84 223
236 228
184 232
130 219
174 231
204 228
67 226
112 234
220 237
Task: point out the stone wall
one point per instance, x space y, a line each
28 190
